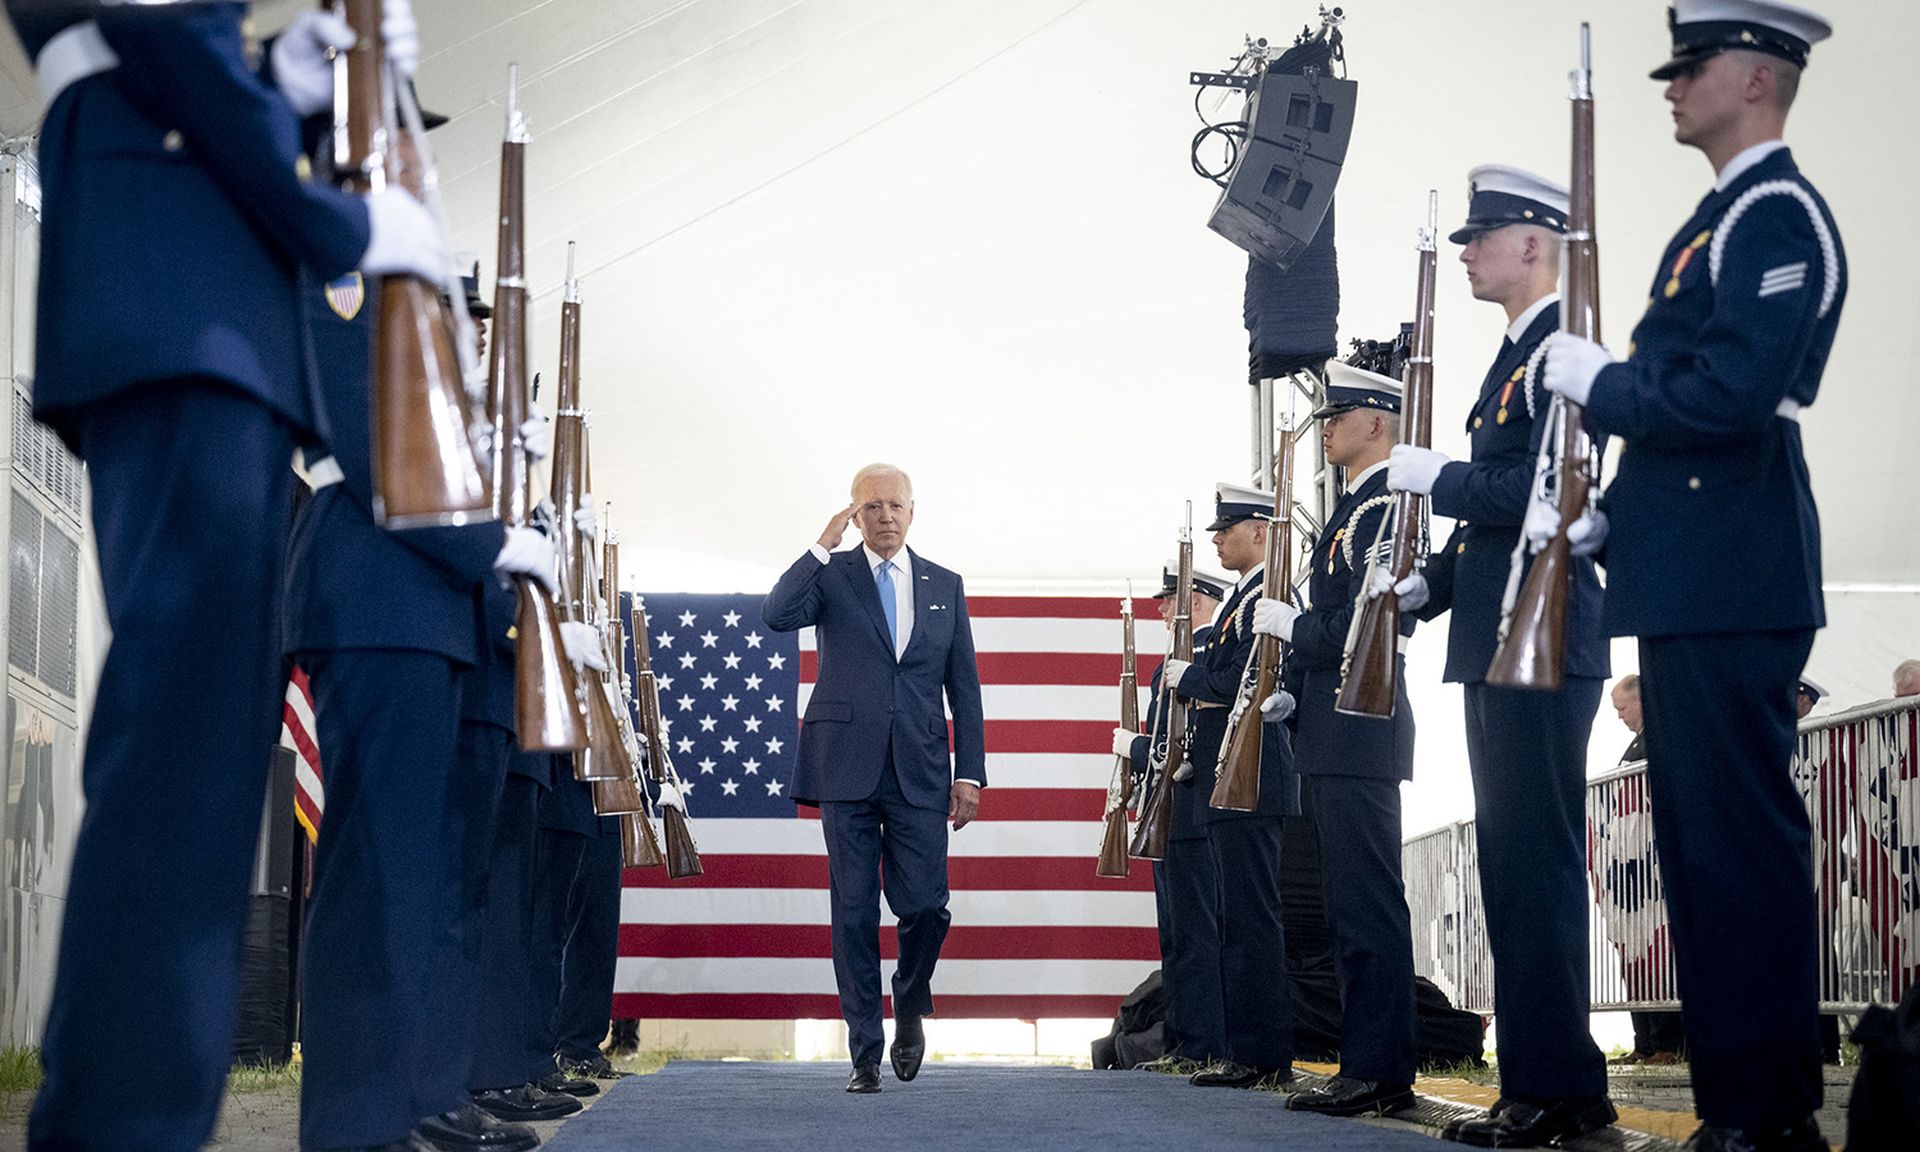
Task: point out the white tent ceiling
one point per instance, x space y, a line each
963 236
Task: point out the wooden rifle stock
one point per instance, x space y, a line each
425 467
1113 844
1170 717
1369 682
546 709
1236 783
1533 637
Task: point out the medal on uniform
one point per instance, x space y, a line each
1334 547
1506 393
1685 258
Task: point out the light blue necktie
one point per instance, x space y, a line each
883 583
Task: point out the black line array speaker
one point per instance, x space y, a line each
1279 192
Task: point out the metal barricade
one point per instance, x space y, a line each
1860 777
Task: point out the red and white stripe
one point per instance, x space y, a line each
299 733
1035 933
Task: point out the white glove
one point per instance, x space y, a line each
405 238
1411 469
582 642
1276 707
640 738
1413 591
1173 670
670 796
536 435
1275 618
1588 534
301 68
585 519
1572 363
526 553
1123 742
402 35
1542 523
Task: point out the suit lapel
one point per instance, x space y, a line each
855 566
922 597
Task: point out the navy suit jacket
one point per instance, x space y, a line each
1488 495
865 702
177 210
1713 525
351 583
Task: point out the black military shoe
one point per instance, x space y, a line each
1344 1096
865 1079
570 1085
909 1047
471 1130
527 1102
1229 1074
1802 1137
1520 1124
595 1068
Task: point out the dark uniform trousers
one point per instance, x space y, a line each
191 529
576 925
1358 820
388 959
1527 749
1752 1026
1196 1003
502 907
885 844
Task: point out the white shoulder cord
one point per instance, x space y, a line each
1829 255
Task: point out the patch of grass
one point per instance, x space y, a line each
19 1069
1465 1070
247 1078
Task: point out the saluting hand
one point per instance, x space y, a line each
964 804
836 528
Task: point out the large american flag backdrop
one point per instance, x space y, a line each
1035 933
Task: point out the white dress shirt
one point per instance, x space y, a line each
902 589
1521 322
1738 166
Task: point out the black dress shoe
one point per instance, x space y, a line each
909 1047
594 1068
471 1130
527 1102
1229 1074
1521 1124
1802 1137
865 1079
1344 1096
568 1085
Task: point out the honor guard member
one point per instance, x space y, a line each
162 138
386 624
1245 846
1738 326
1527 749
1184 1045
1352 766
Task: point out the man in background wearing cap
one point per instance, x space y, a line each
1244 846
1527 749
1185 907
1736 334
1352 766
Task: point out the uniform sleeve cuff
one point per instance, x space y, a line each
1446 487
819 553
1603 401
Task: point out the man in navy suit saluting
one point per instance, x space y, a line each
893 637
